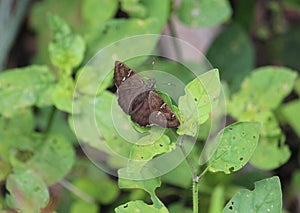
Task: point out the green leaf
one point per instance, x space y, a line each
66 49
266 197
134 8
5 169
195 105
28 192
139 206
239 58
297 86
104 190
179 207
81 206
237 144
25 87
263 90
291 113
204 13
52 160
271 153
63 95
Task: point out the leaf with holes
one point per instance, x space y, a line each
237 143
195 105
266 197
139 206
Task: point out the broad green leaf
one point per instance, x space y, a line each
63 95
217 199
81 206
139 206
297 86
270 153
195 105
237 144
244 12
25 87
263 90
266 197
104 190
28 192
239 58
66 49
134 8
291 113
53 159
204 13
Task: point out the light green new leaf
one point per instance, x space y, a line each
266 197
204 13
66 49
25 87
28 192
237 144
139 206
270 153
195 106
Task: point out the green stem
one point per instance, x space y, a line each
195 194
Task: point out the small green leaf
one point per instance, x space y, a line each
25 87
204 13
195 105
266 197
276 151
139 206
81 206
291 113
28 192
236 43
237 144
66 49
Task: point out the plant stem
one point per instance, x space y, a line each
195 194
66 184
187 157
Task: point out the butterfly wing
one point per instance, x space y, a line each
141 113
161 114
130 86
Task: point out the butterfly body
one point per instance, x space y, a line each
139 99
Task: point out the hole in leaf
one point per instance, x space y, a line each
230 207
125 206
230 128
231 169
196 99
161 145
254 137
232 202
241 158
